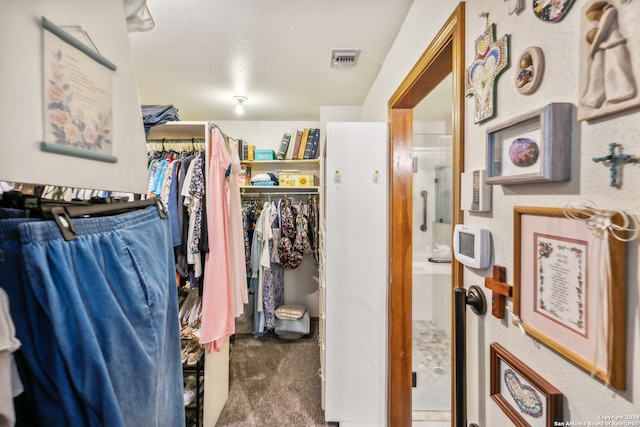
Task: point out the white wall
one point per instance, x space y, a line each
422 23
262 134
585 398
21 86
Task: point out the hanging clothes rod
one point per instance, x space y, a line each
176 141
178 144
278 193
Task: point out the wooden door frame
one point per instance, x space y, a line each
444 55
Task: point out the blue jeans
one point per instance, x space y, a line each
108 304
54 404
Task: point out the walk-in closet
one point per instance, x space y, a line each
274 258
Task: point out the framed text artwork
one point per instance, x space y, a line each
77 97
570 288
531 148
527 398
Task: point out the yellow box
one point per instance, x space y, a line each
295 180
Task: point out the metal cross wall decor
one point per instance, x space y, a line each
615 159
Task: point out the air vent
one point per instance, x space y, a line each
344 58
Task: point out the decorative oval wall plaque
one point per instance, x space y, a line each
523 152
551 10
524 395
531 68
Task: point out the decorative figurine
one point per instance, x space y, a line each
609 65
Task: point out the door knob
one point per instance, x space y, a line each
474 298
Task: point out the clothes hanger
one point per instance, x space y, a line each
62 214
61 211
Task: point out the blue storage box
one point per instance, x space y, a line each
264 154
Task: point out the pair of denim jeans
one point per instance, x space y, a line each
97 318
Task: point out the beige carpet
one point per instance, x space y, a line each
274 383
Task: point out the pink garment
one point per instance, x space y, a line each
238 260
217 297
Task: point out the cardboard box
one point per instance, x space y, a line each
295 180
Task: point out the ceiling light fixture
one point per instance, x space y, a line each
240 100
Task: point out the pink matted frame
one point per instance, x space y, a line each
580 288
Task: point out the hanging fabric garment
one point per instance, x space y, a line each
313 227
273 284
247 233
217 298
260 258
193 193
10 384
236 246
93 311
302 243
277 233
290 257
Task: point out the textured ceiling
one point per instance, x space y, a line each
275 52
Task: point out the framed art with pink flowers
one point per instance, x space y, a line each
531 148
528 399
77 96
569 287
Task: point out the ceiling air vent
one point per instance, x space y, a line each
344 58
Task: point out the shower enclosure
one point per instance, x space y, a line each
431 276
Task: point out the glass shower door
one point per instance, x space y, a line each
432 153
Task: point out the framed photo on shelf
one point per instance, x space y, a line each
527 398
562 292
531 148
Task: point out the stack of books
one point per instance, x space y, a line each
299 145
246 151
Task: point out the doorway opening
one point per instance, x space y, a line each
444 57
432 151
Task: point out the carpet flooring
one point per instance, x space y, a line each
274 383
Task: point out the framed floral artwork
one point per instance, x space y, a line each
527 398
531 148
77 92
569 288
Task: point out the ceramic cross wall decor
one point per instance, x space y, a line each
491 59
614 160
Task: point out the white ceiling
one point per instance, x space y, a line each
275 52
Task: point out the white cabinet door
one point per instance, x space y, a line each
356 272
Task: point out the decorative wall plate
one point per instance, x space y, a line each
531 68
492 58
551 10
